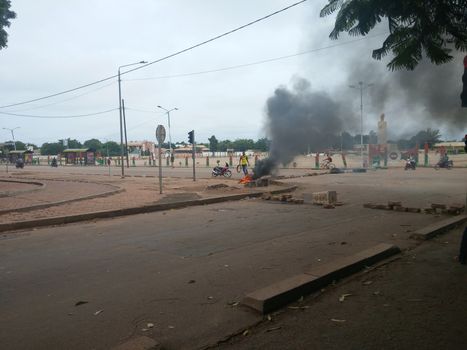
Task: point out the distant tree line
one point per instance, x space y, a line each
344 141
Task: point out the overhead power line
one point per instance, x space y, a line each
180 75
160 59
59 116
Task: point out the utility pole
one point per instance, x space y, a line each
13 135
124 128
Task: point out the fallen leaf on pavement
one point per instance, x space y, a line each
98 312
246 332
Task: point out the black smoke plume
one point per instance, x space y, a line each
298 120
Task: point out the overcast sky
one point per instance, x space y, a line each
57 45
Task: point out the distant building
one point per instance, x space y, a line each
450 146
141 147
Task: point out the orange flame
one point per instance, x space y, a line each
246 179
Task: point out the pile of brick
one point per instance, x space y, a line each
286 198
435 208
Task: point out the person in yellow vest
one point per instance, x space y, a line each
244 163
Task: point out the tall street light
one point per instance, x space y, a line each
361 86
120 109
170 137
13 134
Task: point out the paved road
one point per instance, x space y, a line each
201 172
184 270
416 302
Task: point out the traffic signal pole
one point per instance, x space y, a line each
464 85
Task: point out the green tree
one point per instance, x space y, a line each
416 27
52 148
112 147
93 143
5 16
429 135
262 144
213 143
223 146
243 144
347 141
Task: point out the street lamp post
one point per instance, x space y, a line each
170 136
120 110
13 134
361 86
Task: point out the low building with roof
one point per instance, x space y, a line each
80 156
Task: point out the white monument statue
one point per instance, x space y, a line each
382 131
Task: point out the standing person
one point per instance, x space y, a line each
244 163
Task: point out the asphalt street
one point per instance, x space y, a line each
97 284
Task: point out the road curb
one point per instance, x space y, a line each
54 204
139 343
13 193
431 231
279 294
61 220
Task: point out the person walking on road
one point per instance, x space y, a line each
244 163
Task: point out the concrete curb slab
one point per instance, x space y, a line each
60 220
14 193
438 228
279 294
139 343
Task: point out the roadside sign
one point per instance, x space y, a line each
160 133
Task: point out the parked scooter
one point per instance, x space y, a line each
19 163
444 162
222 171
410 164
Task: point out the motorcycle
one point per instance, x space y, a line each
54 164
221 171
19 164
444 163
410 164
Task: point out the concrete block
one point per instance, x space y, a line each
345 266
139 343
326 197
277 295
402 209
438 206
281 293
413 210
438 228
394 204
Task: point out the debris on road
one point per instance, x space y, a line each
191 281
435 208
98 312
273 329
81 302
343 296
338 320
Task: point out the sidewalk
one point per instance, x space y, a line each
76 194
415 302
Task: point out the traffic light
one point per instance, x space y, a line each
464 82
191 137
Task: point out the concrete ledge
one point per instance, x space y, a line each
279 294
139 343
438 228
14 193
60 220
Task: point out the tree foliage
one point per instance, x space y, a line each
213 143
416 27
5 15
